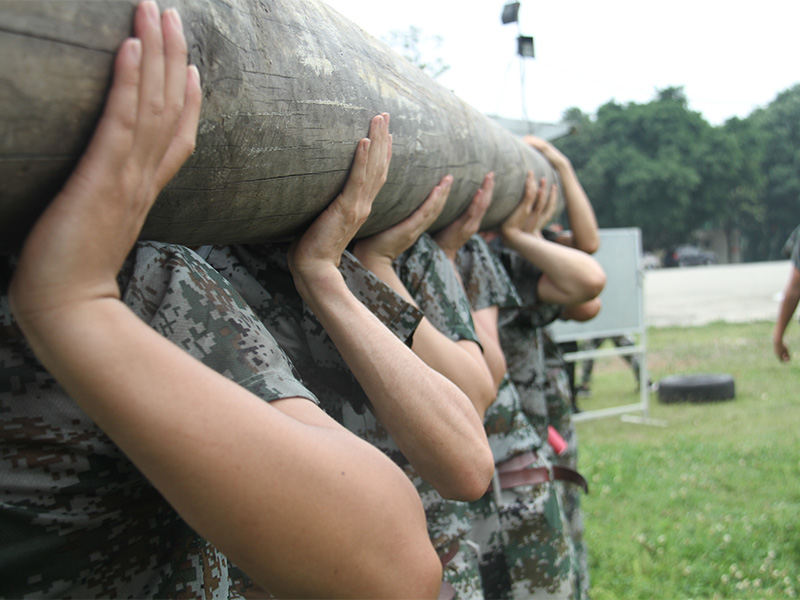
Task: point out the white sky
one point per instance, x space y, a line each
730 57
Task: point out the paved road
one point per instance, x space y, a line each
699 295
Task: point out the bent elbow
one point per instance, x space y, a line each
590 246
595 284
473 479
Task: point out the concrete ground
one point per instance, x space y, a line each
687 296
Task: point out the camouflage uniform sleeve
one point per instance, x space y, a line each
525 277
790 245
179 295
77 519
795 255
400 317
485 279
431 280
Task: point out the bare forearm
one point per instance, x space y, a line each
429 418
461 362
582 220
486 327
570 276
202 440
787 309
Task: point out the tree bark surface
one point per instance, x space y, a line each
289 87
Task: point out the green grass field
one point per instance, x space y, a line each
708 505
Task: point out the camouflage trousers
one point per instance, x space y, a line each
525 547
461 575
559 411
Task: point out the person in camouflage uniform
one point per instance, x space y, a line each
261 275
516 527
125 411
432 284
530 555
558 393
553 275
67 527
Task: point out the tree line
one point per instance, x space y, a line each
663 168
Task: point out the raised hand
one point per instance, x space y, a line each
390 243
533 211
322 245
550 152
451 238
147 130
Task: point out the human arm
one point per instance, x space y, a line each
451 239
162 407
584 234
585 311
791 297
430 419
570 276
461 361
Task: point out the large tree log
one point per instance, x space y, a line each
289 87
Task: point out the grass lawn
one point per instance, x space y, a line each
707 506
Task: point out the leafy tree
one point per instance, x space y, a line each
778 128
661 167
737 180
643 165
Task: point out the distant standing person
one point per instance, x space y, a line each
791 296
619 341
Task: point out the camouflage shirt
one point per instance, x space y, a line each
525 553
77 519
261 275
521 331
487 284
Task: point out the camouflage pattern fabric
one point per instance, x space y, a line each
485 279
559 403
619 341
795 253
521 336
262 276
525 549
77 519
791 245
430 278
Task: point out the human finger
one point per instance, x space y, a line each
175 72
481 203
185 138
519 216
147 27
112 140
430 210
549 209
379 155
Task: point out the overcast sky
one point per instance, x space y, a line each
730 57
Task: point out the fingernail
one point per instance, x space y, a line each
135 49
176 18
151 9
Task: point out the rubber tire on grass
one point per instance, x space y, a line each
702 387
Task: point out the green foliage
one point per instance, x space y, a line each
779 124
706 506
661 167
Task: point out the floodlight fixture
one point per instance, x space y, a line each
525 46
510 13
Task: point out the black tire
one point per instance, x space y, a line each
696 388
